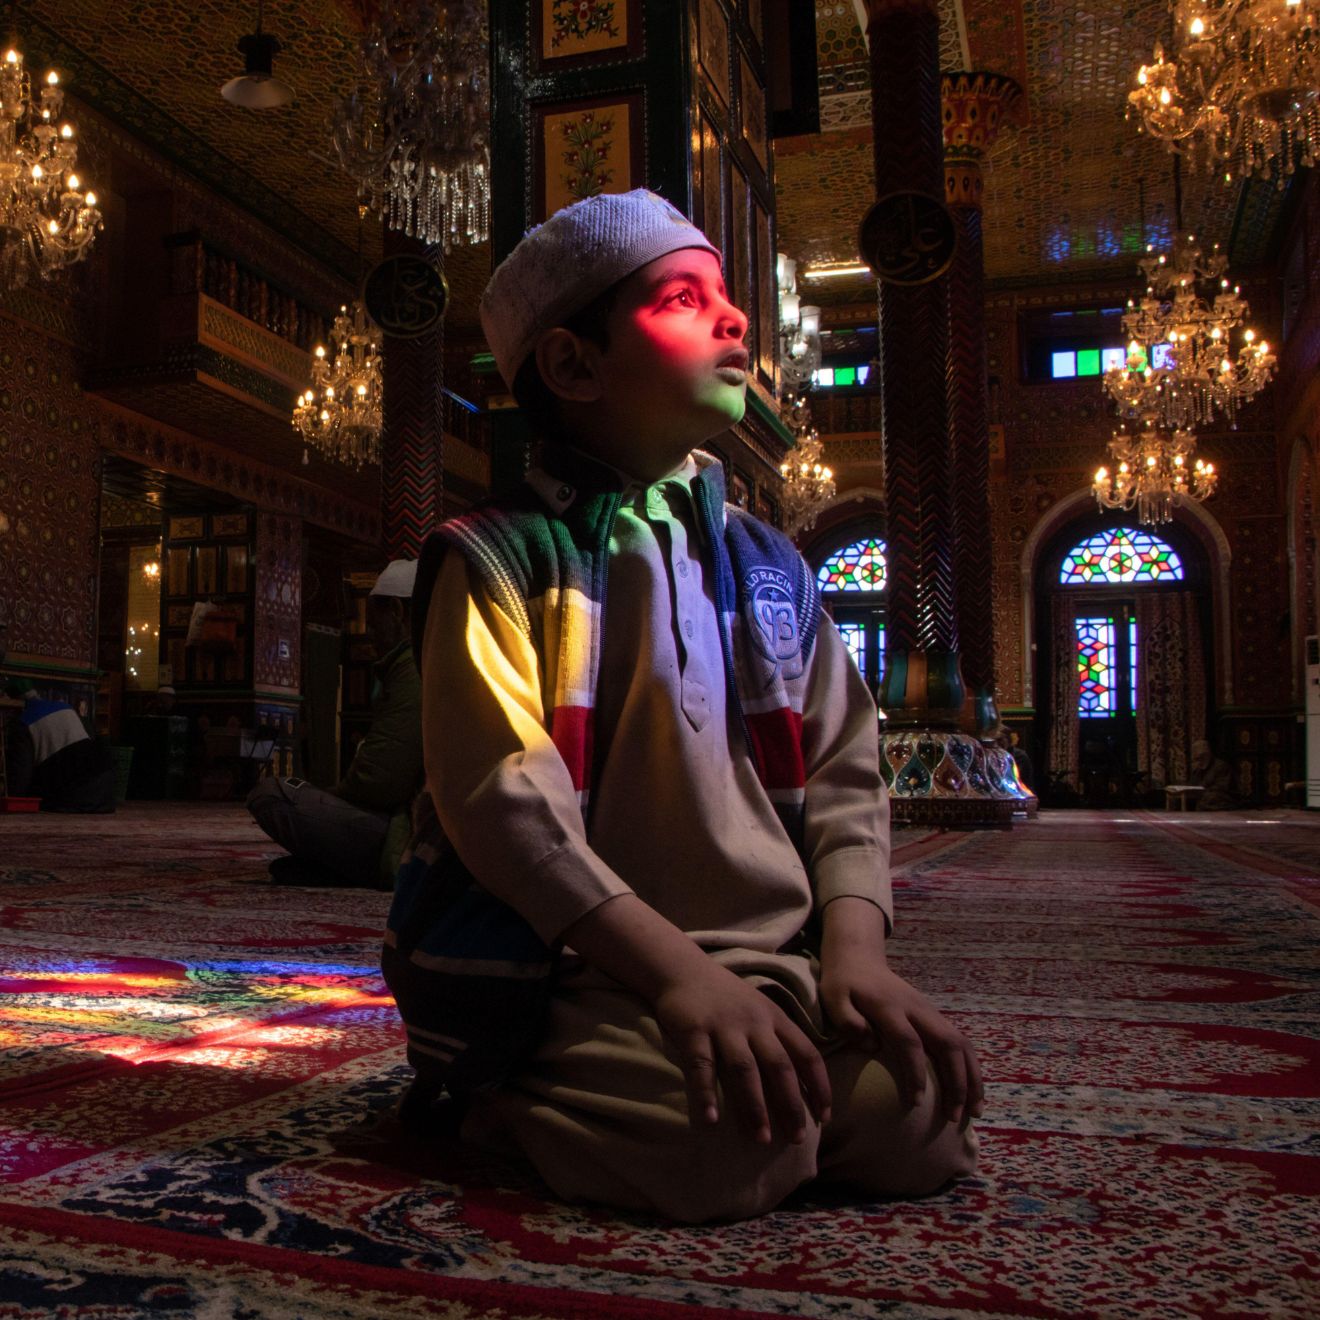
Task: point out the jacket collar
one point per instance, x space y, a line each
567 475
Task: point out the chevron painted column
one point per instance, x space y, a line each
412 444
975 106
936 773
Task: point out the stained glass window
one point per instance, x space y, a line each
854 638
1123 554
1132 659
1096 666
858 567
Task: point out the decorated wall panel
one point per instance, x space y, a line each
49 486
277 626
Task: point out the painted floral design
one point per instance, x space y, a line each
578 19
588 148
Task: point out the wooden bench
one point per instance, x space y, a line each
1181 793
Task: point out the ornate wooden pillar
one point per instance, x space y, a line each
412 442
974 108
936 774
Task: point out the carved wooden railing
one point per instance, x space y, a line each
198 266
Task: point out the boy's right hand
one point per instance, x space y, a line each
725 1031
729 1033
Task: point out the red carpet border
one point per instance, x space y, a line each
188 1058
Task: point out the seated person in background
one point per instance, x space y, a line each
52 756
1215 776
355 832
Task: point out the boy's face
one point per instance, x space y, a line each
675 371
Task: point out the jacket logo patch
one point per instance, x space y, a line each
773 619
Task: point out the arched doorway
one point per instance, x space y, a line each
853 574
1122 620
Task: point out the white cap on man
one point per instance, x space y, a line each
396 579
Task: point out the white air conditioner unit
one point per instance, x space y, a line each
1313 721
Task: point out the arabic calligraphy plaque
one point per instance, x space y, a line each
405 295
908 238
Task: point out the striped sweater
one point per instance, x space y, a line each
456 958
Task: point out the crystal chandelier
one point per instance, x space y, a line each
808 483
414 133
1154 471
1180 368
1242 85
799 329
340 414
47 221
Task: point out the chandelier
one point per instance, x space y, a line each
1180 368
799 329
808 483
47 221
1153 472
1243 84
414 133
340 415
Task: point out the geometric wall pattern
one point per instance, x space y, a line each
49 486
277 616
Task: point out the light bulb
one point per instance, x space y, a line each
90 199
73 182
66 131
52 79
1198 27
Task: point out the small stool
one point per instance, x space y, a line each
1180 793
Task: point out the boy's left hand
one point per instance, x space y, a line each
878 1011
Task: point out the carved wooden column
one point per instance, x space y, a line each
412 441
935 772
975 105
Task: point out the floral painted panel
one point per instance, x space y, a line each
587 150
585 30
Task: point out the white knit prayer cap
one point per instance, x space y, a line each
396 579
561 266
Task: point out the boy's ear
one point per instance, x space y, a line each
569 365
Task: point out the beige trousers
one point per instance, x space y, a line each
601 1110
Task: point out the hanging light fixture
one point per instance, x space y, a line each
340 414
1241 88
47 221
808 482
799 329
1154 470
1181 367
257 87
415 132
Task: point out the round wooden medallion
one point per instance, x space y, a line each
908 238
405 295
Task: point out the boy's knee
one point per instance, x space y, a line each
878 1145
731 1182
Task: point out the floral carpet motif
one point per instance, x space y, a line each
193 1064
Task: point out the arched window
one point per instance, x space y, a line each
1122 554
857 567
853 578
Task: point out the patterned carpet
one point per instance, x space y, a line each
187 1056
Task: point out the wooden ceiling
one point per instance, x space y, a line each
1063 191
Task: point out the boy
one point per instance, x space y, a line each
671 779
